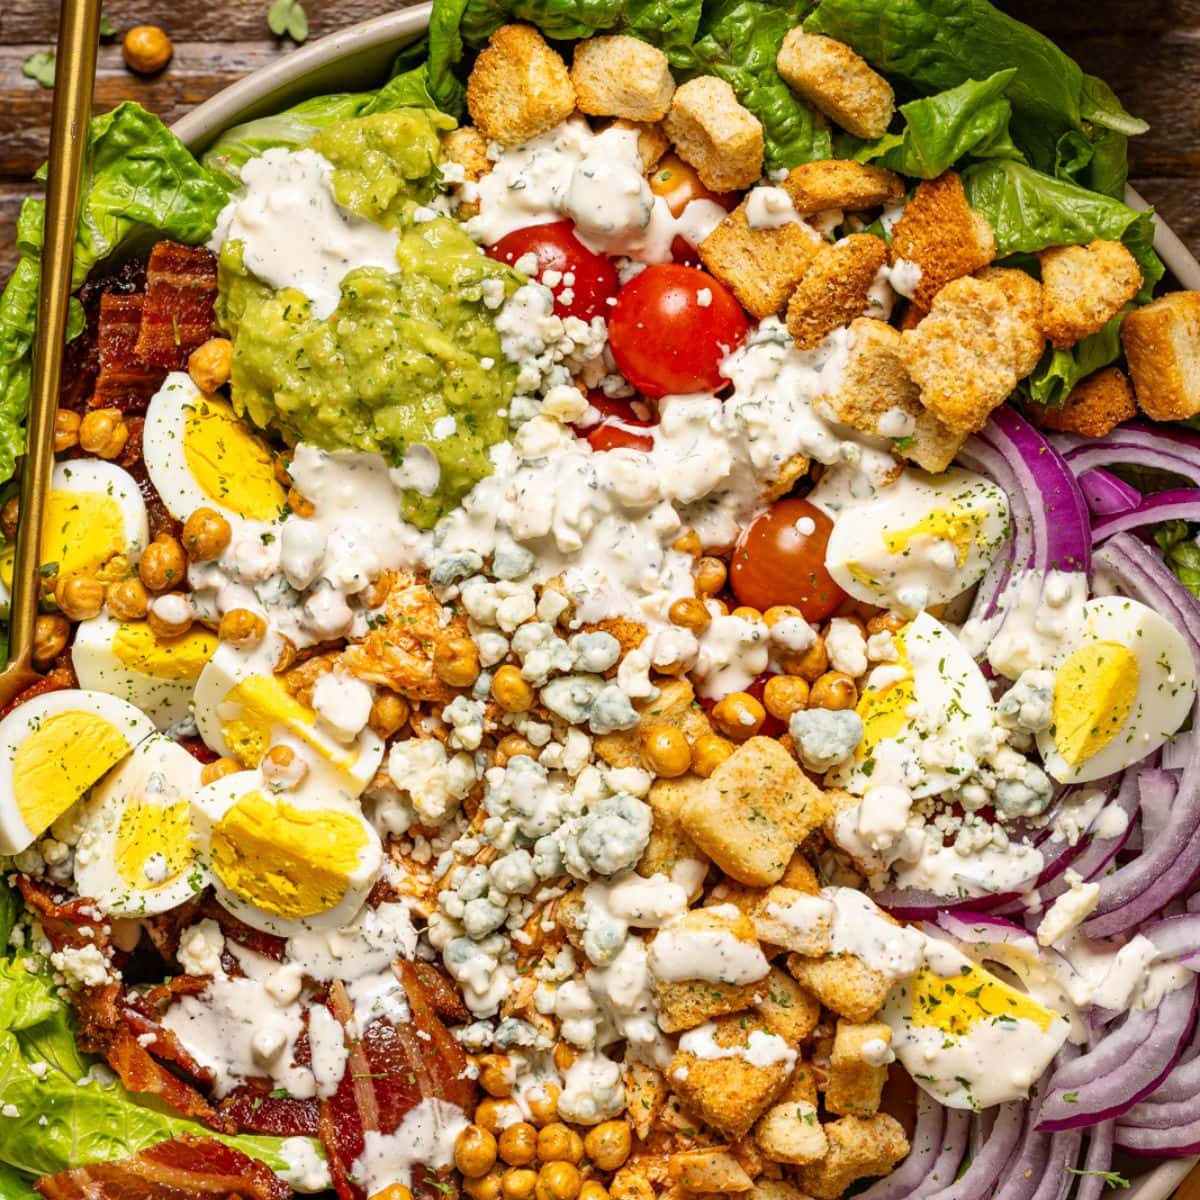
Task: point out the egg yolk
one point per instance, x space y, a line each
1094 691
153 843
136 647
292 862
884 711
261 703
59 761
83 532
956 1003
955 525
231 465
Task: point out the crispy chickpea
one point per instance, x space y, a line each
710 575
300 505
146 49
206 534
10 514
242 628
66 430
558 1181
592 1190
456 662
708 752
564 1056
781 612
475 1151
835 690
608 1144
79 597
50 633
513 745
388 714
487 1187
888 622
518 1144
543 1103
495 1074
128 600
281 766
286 655
747 613
665 751
209 364
739 716
784 695
103 432
691 614
213 771
510 691
496 1114
809 664
518 1183
170 616
283 471
688 542
555 1144
393 1191
163 565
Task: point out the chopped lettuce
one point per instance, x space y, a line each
1181 552
1060 370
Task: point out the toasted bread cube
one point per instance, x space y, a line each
789 473
675 705
712 132
1095 406
652 142
787 1008
775 1189
669 845
758 806
859 1148
942 235
728 1093
1084 287
744 899
519 87
802 1087
760 266
837 82
645 1095
843 983
835 288
800 876
962 355
855 1083
1162 346
710 1171
632 1182
794 920
840 183
622 76
933 445
467 147
1024 296
791 1133
875 381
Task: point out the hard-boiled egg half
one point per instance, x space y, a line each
242 708
286 862
53 748
135 854
927 718
922 540
126 659
200 453
1124 683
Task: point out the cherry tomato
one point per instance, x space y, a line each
607 436
678 184
771 726
617 426
780 559
666 338
556 248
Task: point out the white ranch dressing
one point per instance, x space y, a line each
424 1138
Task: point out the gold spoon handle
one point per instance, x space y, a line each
75 70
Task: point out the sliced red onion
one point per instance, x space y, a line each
1096 1162
1182 504
1175 753
1183 1083
994 1154
1177 937
1064 1154
1138 444
1106 493
1157 790
939 1144
1181 1141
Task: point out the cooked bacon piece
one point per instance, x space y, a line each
253 1107
81 361
266 944
160 520
58 679
442 994
185 1168
181 286
164 929
124 382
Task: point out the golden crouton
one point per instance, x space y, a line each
843 983
652 143
1024 296
622 77
519 87
800 876
1162 346
669 845
775 1189
859 1147
467 147
675 705
931 445
712 132
756 808
795 921
632 1182
855 1085
711 1171
760 266
836 81
787 1008
788 474
840 183
645 1095
791 1133
875 380
1095 406
802 1086
943 235
835 288
1084 287
728 1093
963 355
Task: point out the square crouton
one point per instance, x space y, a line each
519 87
843 983
757 808
835 288
775 1189
837 82
801 876
652 143
712 132
941 234
725 1085
787 1008
760 266
669 845
932 445
675 705
1024 296
1162 346
875 381
786 476
710 1171
791 1133
840 183
962 355
466 147
1084 287
859 1148
794 920
622 76
802 1086
1095 406
855 1082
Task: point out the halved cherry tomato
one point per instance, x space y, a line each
671 329
678 184
608 436
556 248
617 426
780 559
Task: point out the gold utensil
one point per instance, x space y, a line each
74 74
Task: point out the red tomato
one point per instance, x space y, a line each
678 184
771 726
617 425
665 340
556 248
776 562
607 436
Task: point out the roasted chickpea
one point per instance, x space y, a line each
487 1187
300 505
495 1074
809 664
206 534
543 1103
213 771
746 613
209 365
558 1181
286 655
393 1191
688 542
103 432
170 615
163 565
128 600
608 1144
495 1115
513 745
592 1190
510 691
10 514
691 614
564 1056
79 597
835 690
518 1144
283 767
283 471
66 429
242 628
888 622
781 612
518 1183
388 714
739 716
665 751
784 695
708 752
557 1143
146 49
475 1152
710 575
456 662
50 633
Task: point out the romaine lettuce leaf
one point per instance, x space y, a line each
1181 552
1060 370
15 1186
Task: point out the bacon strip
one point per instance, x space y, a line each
181 286
124 382
253 1107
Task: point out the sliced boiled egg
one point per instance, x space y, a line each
921 540
53 748
135 854
200 453
290 862
126 659
242 708
1124 683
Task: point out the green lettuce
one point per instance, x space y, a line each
1060 370
1181 552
